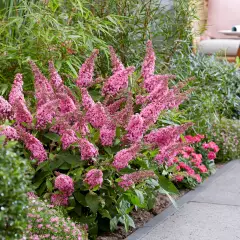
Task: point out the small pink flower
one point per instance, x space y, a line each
9 132
59 200
5 109
116 63
212 155
68 137
39 226
202 168
178 178
94 177
85 76
64 184
88 150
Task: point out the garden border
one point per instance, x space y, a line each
141 232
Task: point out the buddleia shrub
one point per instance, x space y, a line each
97 149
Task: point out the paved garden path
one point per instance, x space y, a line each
211 212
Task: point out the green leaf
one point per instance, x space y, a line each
49 185
53 136
80 198
113 223
92 201
41 165
104 213
167 185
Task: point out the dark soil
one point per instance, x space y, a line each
140 217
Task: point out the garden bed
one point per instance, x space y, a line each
140 217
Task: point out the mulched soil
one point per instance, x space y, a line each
140 217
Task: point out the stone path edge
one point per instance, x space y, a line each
141 232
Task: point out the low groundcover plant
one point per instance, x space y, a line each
97 148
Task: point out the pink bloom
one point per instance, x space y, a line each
163 137
22 114
87 100
189 149
135 128
66 104
212 155
122 157
197 177
46 113
55 79
203 168
85 76
148 65
128 180
59 199
152 82
115 106
211 145
33 145
64 184
117 82
16 93
107 134
193 139
82 127
93 178
96 115
9 132
116 63
178 178
39 226
88 150
43 89
197 158
5 109
68 137
54 219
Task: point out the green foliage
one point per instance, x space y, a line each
226 133
43 30
14 186
216 89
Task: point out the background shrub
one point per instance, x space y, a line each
14 186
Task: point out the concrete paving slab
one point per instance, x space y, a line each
212 211
224 190
199 221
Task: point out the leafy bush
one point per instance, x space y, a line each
216 90
47 222
226 134
14 186
193 164
42 30
66 31
94 156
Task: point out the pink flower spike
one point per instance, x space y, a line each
128 180
117 82
85 76
33 145
87 100
65 184
124 156
149 61
9 132
116 63
59 199
135 128
94 177
68 137
66 104
21 112
16 93
88 150
55 79
46 113
107 134
5 109
43 89
96 115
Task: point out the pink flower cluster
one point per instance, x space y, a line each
124 156
65 184
194 139
94 178
128 180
